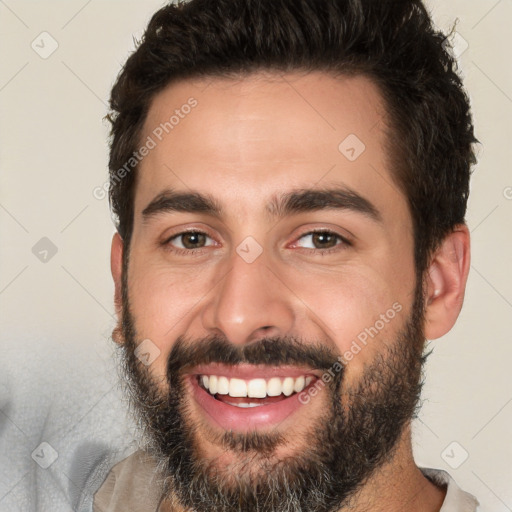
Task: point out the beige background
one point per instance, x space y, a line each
57 378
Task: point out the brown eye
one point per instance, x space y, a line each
324 240
318 240
188 241
193 240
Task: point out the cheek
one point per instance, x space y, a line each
162 301
361 307
348 303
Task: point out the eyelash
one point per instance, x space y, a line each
200 251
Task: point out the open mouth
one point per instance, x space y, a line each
236 403
255 392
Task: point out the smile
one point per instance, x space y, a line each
236 403
254 388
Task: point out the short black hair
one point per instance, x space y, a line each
392 42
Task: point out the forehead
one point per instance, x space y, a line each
244 140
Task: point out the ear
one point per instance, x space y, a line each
116 267
446 282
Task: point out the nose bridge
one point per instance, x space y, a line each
249 301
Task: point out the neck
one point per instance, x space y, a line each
398 485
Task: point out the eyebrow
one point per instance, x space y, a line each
289 203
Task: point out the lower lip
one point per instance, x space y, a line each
230 417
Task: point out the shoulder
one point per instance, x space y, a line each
131 484
456 500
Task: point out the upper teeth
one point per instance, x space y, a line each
254 388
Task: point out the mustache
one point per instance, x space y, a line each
274 351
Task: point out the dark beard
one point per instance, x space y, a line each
341 450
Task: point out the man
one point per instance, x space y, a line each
290 179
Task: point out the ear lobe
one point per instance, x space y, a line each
116 267
446 282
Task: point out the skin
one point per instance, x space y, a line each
246 141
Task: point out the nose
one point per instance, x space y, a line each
250 302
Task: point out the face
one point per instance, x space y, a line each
271 273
